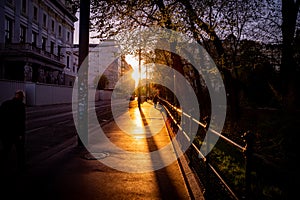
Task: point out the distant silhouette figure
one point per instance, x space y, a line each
12 120
155 100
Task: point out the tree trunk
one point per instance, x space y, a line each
288 71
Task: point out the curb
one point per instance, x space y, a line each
191 179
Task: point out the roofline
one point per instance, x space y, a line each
65 10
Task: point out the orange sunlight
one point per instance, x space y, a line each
135 75
134 62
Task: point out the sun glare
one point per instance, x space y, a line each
135 75
133 61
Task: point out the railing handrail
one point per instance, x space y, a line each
30 48
200 154
204 126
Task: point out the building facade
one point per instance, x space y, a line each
105 59
36 41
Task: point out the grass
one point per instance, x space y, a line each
275 153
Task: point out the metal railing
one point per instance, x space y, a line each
30 48
177 114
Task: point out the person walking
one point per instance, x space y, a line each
12 120
155 100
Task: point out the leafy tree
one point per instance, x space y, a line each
289 72
211 23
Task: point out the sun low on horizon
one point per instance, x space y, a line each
134 62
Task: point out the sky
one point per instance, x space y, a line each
76 33
133 61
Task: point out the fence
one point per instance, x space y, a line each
36 93
8 88
224 180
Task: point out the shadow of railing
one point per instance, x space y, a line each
225 172
165 182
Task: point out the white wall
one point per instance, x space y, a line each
36 93
8 88
105 94
52 94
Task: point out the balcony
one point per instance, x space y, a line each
29 50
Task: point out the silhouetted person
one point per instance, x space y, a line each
139 101
12 113
155 100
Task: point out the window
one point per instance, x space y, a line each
24 6
22 34
44 20
44 41
34 38
52 25
68 36
59 50
52 47
68 62
35 13
59 31
8 30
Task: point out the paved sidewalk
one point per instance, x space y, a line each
123 171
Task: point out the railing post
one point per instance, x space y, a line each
190 125
249 139
207 160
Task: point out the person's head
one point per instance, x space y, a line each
19 94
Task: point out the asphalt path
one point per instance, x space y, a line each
57 169
52 127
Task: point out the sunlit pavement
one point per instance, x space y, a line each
76 173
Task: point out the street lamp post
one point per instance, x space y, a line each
84 18
139 85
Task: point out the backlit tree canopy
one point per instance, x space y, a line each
209 22
200 19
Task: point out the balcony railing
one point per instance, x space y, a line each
29 48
